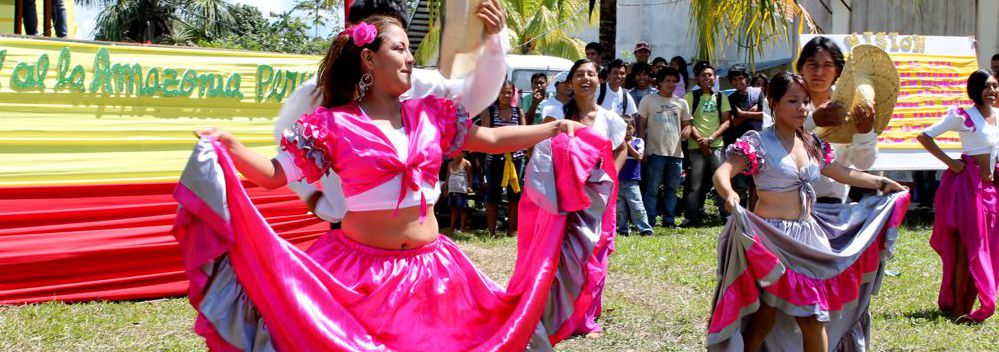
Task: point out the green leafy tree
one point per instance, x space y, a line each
156 20
287 32
752 24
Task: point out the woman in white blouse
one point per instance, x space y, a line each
966 227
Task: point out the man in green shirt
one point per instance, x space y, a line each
530 101
710 111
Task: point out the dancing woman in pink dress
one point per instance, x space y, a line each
966 226
388 280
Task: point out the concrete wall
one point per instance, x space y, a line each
666 25
976 18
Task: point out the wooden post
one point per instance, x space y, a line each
18 8
47 19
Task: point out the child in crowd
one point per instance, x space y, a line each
457 188
629 199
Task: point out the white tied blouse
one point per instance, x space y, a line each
475 92
977 136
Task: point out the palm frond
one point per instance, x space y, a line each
750 24
532 26
429 48
182 34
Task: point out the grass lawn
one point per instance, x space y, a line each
657 299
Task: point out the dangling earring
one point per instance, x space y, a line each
364 85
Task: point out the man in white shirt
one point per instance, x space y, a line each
556 101
612 95
474 93
820 64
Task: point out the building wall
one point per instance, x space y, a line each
666 25
935 18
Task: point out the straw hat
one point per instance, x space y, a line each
868 77
462 37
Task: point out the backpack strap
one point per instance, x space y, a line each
718 100
624 104
697 103
603 93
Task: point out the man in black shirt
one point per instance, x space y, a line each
747 114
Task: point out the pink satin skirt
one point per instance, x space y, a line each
255 291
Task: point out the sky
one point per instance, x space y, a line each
85 16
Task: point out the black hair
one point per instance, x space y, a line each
537 75
595 46
700 66
629 121
738 70
569 109
340 69
995 57
683 67
780 85
615 64
817 45
668 71
659 59
506 83
640 67
976 85
361 9
762 76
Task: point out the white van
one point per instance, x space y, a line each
520 68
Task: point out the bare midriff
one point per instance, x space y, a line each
387 230
983 166
780 205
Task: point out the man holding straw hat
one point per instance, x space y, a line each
851 114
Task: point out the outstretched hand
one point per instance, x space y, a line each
731 202
226 138
892 186
568 126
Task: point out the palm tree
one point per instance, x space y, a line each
211 17
535 27
132 20
542 26
750 24
152 20
608 28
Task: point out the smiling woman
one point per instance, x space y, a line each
965 240
794 274
388 268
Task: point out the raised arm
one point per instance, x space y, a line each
257 168
854 178
512 138
481 87
635 153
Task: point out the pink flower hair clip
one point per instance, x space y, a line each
362 33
